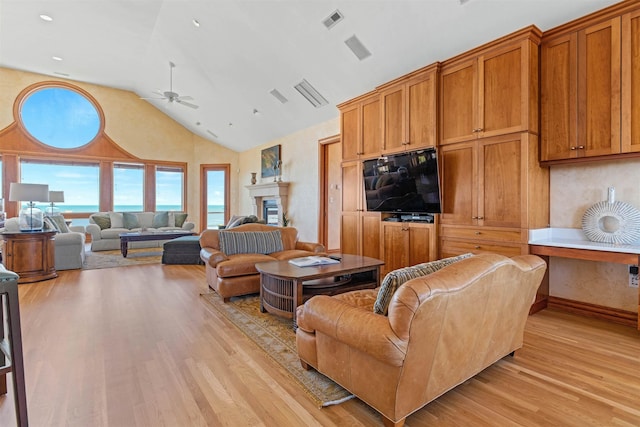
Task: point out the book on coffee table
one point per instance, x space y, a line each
309 261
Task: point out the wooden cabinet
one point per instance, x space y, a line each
360 230
491 90
580 87
493 191
408 108
30 255
360 127
630 133
407 243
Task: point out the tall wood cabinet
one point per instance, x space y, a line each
486 92
360 127
408 108
360 230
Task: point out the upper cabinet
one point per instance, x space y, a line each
590 87
408 108
491 90
360 127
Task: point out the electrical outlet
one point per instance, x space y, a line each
633 276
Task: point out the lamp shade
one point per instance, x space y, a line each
19 191
56 196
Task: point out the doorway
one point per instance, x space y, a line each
214 195
330 193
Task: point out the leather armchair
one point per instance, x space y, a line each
441 330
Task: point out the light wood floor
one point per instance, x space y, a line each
137 346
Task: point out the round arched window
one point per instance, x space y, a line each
60 117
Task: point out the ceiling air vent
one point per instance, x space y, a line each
357 47
212 134
311 94
280 97
333 19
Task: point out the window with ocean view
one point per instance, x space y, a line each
128 187
169 185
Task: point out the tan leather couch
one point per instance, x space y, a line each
233 275
441 330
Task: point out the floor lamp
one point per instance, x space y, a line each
30 218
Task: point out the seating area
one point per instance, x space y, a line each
105 227
440 330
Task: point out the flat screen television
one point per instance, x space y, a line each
403 183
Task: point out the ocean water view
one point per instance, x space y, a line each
215 213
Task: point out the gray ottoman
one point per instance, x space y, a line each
183 250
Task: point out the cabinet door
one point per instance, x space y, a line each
458 90
351 184
350 233
370 235
421 112
631 82
420 244
500 181
350 132
459 196
393 113
559 98
502 107
599 89
371 133
395 241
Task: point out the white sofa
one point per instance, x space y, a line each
68 245
105 227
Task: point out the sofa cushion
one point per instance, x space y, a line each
102 220
160 219
394 279
49 225
250 242
177 219
130 220
117 220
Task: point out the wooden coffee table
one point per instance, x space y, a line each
283 286
140 236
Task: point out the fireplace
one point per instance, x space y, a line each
269 201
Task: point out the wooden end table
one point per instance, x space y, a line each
284 287
142 236
30 254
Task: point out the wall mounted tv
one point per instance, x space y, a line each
403 183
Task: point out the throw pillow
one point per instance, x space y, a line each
250 242
394 279
180 219
102 221
130 220
234 221
60 224
160 219
49 225
117 220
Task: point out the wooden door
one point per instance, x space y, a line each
421 110
395 241
393 113
458 185
599 89
631 82
371 134
502 107
500 189
559 118
370 234
350 218
458 90
420 244
350 131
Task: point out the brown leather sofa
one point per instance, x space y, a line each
233 275
441 330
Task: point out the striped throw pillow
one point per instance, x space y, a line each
250 242
394 279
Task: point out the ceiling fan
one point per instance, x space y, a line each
172 96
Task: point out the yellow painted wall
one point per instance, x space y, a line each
575 188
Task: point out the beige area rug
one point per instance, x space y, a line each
276 337
110 259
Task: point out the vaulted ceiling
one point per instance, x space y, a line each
230 55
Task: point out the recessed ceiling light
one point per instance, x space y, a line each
255 112
56 58
46 18
196 23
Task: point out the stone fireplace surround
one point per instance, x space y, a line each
272 191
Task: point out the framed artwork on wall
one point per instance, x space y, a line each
269 159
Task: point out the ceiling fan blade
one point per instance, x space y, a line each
157 97
186 98
186 104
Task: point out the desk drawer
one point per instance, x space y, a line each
483 233
450 247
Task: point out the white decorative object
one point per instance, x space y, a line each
612 222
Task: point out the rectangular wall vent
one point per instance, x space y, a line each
280 97
311 94
212 134
333 19
357 47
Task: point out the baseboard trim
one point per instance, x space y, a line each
624 317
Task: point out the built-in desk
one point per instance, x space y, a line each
571 243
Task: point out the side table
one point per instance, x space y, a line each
30 254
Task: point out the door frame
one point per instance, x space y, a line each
204 168
323 168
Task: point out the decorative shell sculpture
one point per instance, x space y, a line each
612 222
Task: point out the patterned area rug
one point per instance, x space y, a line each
276 337
109 259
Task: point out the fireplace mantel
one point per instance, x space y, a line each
276 191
